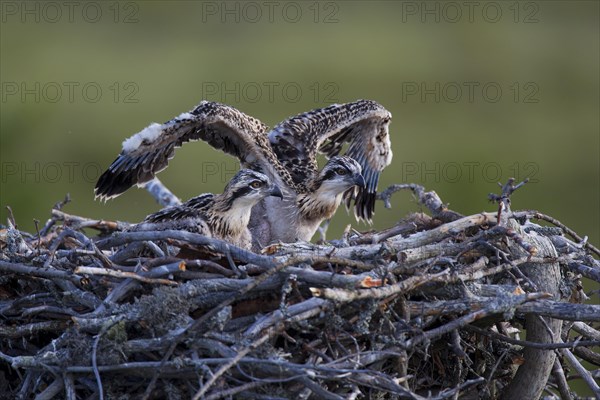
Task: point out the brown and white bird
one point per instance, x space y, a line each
224 216
287 155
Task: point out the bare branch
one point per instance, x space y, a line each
161 193
167 313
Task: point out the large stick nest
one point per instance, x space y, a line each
435 307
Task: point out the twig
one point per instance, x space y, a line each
242 353
11 217
49 273
471 273
121 274
503 199
28 330
233 391
492 308
538 215
345 295
586 330
546 308
77 222
561 381
587 271
299 311
51 391
429 199
191 238
161 193
457 390
399 229
535 345
95 362
215 310
69 383
585 375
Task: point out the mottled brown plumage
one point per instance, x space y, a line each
363 124
224 216
223 127
287 155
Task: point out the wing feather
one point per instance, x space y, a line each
363 124
194 207
223 127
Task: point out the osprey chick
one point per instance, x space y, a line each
287 154
224 216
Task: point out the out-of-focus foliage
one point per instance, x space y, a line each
438 69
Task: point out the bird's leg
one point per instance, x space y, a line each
322 229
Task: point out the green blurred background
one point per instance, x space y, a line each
479 92
78 78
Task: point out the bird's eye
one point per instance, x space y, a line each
256 184
341 171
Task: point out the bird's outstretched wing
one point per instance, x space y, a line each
223 127
363 124
191 208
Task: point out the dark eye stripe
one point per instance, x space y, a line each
330 174
243 191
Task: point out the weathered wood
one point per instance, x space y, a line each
161 193
416 310
531 377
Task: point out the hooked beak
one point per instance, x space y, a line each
275 191
359 180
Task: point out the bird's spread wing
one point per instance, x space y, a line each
194 207
363 124
149 151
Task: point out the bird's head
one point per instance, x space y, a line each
339 175
248 187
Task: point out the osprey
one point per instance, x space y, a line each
224 216
287 155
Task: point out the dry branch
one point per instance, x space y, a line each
433 307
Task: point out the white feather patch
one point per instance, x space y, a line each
185 115
149 134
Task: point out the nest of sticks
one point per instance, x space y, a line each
437 306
